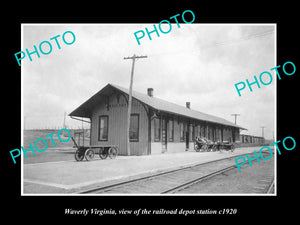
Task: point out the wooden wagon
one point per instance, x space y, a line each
89 152
226 145
203 144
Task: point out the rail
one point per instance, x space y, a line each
175 186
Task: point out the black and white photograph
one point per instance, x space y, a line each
166 109
146 111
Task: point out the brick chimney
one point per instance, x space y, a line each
150 92
188 105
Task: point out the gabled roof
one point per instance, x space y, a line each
84 110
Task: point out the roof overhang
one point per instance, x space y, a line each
85 109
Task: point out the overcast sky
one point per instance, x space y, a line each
199 63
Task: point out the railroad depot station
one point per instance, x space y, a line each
156 126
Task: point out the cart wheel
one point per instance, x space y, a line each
79 155
232 148
89 154
214 148
112 152
208 148
103 153
196 147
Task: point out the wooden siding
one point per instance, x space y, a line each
244 138
227 134
211 131
116 110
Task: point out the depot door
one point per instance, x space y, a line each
164 134
233 134
187 136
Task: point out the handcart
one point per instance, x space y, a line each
226 145
203 144
88 152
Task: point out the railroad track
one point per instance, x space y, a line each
271 187
173 181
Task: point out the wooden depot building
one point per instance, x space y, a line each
156 125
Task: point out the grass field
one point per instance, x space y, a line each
63 151
30 136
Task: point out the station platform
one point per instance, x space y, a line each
71 177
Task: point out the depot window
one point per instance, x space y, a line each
156 129
103 128
192 132
182 131
134 128
198 131
171 130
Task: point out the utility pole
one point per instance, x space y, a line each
134 57
262 133
235 115
64 126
